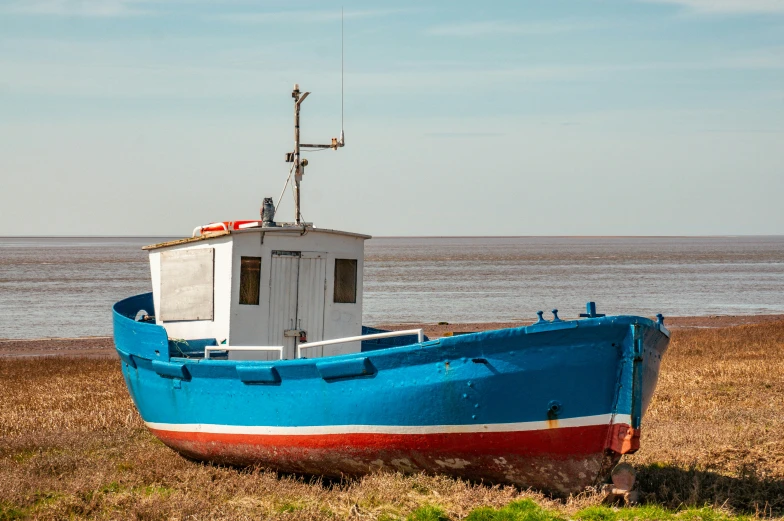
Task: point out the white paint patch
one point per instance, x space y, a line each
355 463
403 465
455 463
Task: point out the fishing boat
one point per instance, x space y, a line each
250 350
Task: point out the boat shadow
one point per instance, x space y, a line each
751 490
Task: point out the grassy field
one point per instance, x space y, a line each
72 446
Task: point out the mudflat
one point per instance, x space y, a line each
86 346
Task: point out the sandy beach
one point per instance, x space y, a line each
102 346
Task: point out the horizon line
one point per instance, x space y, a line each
570 236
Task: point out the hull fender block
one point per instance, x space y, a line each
171 369
127 358
258 375
334 370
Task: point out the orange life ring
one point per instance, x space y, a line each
225 226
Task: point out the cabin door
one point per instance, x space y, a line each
310 298
284 274
297 292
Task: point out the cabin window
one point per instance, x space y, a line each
345 281
250 278
187 284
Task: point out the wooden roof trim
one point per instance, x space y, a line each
187 240
293 229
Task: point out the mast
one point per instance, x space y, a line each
298 166
295 157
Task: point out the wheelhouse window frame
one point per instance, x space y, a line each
250 280
345 281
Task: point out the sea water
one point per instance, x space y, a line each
65 287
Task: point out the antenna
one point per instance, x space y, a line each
342 134
298 168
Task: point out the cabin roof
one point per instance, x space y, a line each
286 230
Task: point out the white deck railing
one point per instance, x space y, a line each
419 332
208 349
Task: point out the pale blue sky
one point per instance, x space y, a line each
557 117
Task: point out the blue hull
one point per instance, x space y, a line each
552 405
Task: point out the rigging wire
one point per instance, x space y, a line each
284 187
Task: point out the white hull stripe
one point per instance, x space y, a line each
584 421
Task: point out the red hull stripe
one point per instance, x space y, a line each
565 442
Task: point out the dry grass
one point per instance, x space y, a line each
72 446
715 430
